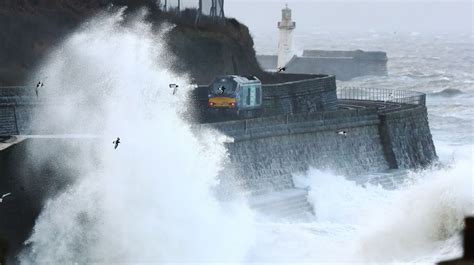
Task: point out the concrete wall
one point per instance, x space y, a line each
345 65
267 151
16 118
344 68
306 96
7 120
358 54
407 138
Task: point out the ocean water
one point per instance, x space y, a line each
152 199
420 220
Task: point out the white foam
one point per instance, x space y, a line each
149 200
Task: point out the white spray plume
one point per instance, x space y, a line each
149 200
422 218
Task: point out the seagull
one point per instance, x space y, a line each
40 84
281 69
174 87
116 142
221 90
4 195
342 132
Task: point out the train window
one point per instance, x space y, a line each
244 95
249 95
253 95
259 89
223 86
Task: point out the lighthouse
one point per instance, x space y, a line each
286 26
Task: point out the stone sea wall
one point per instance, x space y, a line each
266 151
407 138
297 131
345 65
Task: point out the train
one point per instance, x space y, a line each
240 96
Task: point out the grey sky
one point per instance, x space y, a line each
355 15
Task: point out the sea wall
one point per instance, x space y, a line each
266 151
8 125
303 96
17 107
357 54
264 154
345 65
407 138
344 68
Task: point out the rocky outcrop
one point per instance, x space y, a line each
30 28
208 52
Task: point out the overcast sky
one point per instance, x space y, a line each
354 15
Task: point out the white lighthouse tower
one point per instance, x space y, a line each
286 26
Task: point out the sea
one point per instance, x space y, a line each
151 200
419 221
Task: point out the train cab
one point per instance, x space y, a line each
235 95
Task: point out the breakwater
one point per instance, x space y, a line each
345 65
267 151
386 129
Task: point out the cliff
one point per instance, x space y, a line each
30 28
206 52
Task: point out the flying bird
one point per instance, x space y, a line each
40 84
4 195
221 90
174 87
281 69
342 132
116 142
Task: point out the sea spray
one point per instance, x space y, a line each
150 199
336 199
423 217
419 221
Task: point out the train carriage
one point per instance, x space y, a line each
236 95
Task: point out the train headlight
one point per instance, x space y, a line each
232 104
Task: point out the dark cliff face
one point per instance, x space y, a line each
30 28
206 52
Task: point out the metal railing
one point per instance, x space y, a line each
381 95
